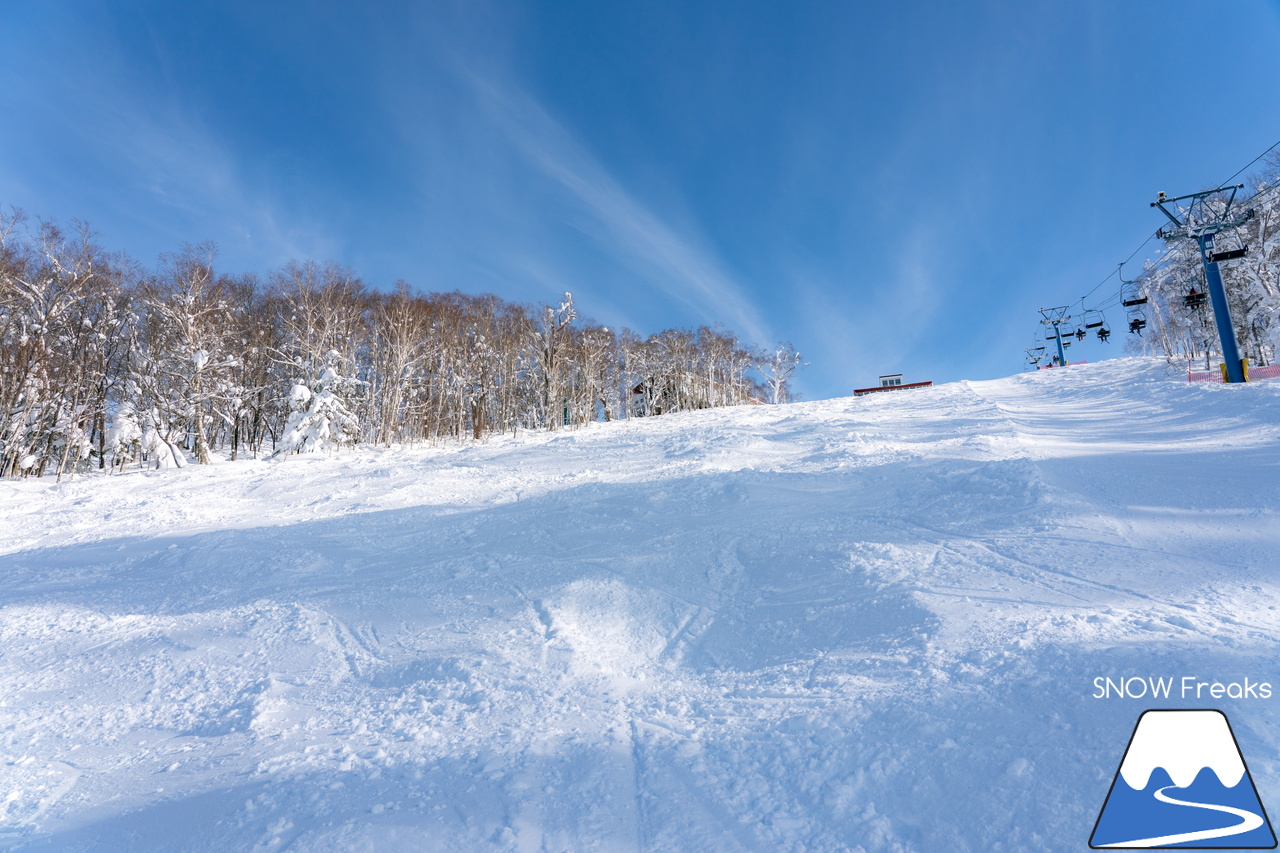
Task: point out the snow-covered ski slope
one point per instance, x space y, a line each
859 624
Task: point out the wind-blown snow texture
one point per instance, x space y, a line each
867 624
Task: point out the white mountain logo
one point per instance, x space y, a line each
1183 784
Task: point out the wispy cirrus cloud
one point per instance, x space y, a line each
131 154
677 264
876 318
189 172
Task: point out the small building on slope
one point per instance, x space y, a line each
891 382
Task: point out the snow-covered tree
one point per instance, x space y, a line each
59 335
777 367
122 441
101 357
183 356
319 420
552 341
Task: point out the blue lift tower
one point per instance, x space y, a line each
1056 317
1201 221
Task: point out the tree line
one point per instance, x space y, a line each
105 363
1179 327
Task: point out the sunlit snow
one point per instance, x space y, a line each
865 624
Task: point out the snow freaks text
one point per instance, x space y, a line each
1178 687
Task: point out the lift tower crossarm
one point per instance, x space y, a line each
1191 229
1162 199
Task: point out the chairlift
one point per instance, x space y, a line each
1130 290
1195 298
1080 334
1229 254
1093 319
1131 297
1241 249
1104 334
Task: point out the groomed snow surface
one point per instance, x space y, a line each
863 624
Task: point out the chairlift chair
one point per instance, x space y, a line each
1241 250
1195 298
1104 334
1093 319
1229 254
1130 294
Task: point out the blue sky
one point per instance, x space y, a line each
892 187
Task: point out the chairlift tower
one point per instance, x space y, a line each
1056 317
1201 224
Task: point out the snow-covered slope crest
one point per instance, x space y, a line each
867 624
1183 743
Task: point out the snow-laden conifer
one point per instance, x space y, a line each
319 420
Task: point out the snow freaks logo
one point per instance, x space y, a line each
1182 783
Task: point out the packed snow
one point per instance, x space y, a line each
871 624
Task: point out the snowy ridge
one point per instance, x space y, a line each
865 625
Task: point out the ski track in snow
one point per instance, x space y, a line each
863 625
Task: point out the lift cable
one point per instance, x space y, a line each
1250 163
1153 234
1118 298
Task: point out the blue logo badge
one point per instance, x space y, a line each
1182 784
